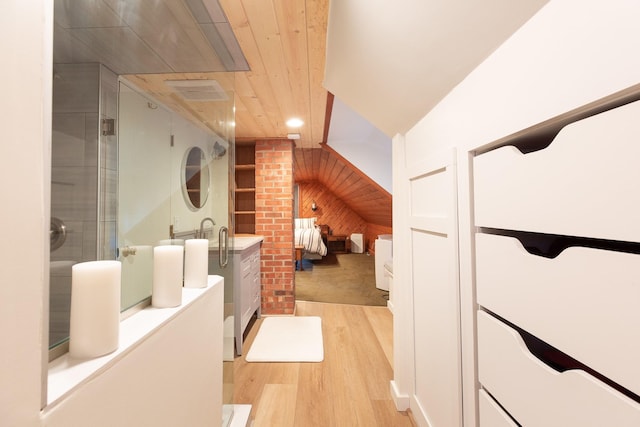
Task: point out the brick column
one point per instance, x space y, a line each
274 221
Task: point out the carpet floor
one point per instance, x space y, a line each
341 279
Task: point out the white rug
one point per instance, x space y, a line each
288 339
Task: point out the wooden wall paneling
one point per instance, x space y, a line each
329 166
331 209
308 163
372 233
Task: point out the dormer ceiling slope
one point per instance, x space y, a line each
392 62
360 193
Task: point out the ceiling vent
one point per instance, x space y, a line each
199 90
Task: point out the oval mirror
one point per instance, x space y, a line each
195 178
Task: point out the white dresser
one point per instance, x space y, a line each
558 277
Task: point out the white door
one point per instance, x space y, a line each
436 399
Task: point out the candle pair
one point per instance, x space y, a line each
171 263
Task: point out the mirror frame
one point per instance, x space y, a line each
192 178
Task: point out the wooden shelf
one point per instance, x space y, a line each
245 167
245 183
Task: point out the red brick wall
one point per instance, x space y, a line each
274 221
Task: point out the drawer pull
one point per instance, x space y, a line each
552 245
559 361
537 395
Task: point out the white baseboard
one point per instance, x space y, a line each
240 417
401 401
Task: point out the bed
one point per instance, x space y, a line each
307 234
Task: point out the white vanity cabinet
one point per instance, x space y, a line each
242 286
246 288
557 329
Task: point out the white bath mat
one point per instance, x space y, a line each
288 339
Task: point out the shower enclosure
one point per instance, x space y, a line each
137 90
83 180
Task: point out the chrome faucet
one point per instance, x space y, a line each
201 232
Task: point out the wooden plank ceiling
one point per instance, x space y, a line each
354 188
284 42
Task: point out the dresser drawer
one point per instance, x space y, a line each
536 395
584 184
585 302
491 415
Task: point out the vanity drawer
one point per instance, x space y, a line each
584 184
255 262
245 267
536 395
491 414
585 302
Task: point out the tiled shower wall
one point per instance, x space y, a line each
84 165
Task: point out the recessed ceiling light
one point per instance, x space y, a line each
294 122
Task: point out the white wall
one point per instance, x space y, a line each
571 53
358 141
187 135
25 108
171 378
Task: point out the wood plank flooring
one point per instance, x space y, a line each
349 388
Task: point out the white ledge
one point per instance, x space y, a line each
66 373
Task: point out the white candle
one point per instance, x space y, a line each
95 308
167 276
196 263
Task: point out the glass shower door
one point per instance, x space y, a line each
144 185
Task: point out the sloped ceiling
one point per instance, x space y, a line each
366 198
392 62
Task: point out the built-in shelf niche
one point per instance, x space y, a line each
245 188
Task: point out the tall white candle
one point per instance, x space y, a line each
167 276
196 263
95 308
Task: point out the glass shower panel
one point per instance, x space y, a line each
144 159
82 180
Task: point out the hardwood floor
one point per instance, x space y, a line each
349 388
